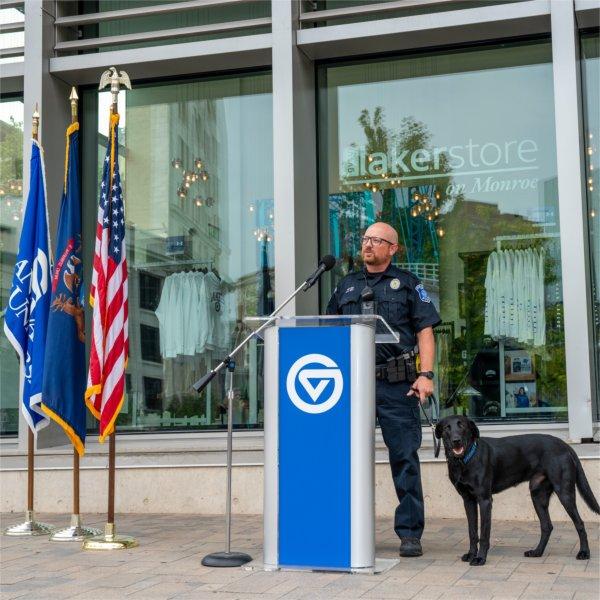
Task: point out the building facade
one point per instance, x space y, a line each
261 135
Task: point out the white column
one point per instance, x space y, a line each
571 194
294 161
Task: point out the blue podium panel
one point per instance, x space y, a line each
314 447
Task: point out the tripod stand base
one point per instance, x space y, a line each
30 527
109 540
226 559
76 532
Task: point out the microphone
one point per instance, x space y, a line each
326 264
367 300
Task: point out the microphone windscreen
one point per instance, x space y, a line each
328 261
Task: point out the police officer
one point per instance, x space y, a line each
402 301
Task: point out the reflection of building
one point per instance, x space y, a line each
11 203
167 228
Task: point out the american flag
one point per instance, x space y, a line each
108 296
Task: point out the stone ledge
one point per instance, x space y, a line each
191 489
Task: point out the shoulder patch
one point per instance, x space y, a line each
350 289
422 293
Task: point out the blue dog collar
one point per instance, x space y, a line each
469 455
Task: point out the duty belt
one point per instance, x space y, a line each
398 369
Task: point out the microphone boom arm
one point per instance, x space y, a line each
206 379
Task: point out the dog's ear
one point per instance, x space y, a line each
474 430
438 430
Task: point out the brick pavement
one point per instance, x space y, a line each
167 565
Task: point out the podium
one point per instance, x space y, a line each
319 407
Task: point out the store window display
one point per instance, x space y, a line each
456 150
196 168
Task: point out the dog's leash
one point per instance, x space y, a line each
435 415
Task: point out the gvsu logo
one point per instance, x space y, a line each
314 380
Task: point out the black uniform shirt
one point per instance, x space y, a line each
400 299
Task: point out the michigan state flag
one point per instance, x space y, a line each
64 367
26 316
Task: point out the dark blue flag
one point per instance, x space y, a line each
26 316
64 367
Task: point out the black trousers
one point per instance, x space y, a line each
399 418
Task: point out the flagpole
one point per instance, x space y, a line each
30 526
110 540
76 532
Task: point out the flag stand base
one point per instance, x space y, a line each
76 532
226 559
29 527
109 540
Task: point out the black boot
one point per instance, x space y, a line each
410 546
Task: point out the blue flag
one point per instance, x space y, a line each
64 366
26 316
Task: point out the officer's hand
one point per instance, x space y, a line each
422 387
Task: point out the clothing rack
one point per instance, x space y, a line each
178 264
502 374
526 236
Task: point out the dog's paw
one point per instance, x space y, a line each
583 555
532 553
467 557
477 561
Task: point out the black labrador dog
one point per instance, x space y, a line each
480 467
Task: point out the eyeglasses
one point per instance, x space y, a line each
376 241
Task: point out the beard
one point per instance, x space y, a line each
373 259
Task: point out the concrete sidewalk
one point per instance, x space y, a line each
167 564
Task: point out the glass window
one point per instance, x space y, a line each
150 343
196 166
457 151
11 206
590 45
15 39
209 15
410 10
149 291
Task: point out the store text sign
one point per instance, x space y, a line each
512 160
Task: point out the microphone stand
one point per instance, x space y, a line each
228 558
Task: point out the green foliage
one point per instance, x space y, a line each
11 155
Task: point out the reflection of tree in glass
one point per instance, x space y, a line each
411 198
11 158
376 133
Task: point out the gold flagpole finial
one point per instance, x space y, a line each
35 123
73 99
112 77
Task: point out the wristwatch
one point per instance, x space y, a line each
428 374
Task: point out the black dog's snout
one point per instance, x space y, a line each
457 442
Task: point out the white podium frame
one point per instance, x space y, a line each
362 432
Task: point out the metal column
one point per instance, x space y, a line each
571 196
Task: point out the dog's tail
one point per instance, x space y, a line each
584 487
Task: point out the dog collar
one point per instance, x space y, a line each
469 455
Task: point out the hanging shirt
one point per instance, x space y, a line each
539 333
515 296
166 322
216 338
